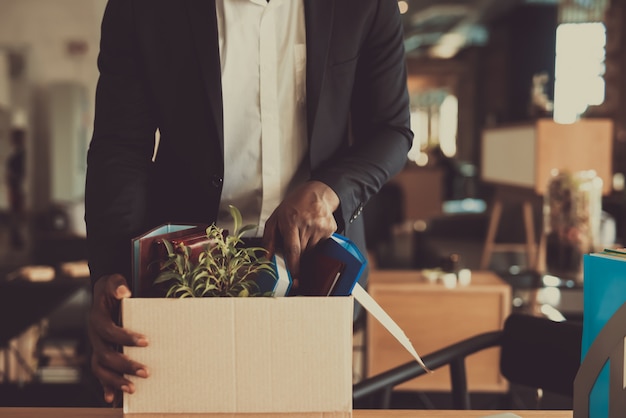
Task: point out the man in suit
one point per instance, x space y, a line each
295 111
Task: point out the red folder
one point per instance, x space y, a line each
148 249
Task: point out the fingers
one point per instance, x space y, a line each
109 394
109 367
116 287
105 329
269 236
107 359
301 221
292 250
108 364
113 285
108 291
290 244
111 381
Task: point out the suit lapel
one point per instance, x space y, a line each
204 28
319 22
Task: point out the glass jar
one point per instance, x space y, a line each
572 211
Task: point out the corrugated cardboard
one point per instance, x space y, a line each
233 357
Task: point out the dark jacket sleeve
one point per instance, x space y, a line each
120 151
380 117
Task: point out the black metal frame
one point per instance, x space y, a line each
454 355
534 351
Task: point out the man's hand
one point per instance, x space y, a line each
303 219
107 363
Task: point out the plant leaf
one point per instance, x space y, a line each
225 267
246 228
237 219
166 276
169 247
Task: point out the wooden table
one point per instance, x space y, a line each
24 304
27 302
359 413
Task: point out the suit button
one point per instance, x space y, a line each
216 181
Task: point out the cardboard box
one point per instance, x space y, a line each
242 356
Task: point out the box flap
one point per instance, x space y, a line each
242 355
386 321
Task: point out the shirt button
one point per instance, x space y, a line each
216 181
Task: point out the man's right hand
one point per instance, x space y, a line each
108 364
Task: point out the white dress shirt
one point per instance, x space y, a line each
263 61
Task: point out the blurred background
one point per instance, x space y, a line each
48 74
477 68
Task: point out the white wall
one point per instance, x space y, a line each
41 29
44 27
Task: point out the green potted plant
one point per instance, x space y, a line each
225 267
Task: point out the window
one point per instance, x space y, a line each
434 121
579 69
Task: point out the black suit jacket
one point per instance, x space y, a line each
160 69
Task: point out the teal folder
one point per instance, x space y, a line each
604 292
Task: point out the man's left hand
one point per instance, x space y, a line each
302 220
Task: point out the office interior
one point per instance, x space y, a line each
475 67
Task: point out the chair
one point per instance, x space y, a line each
534 352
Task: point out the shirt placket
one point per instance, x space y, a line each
270 130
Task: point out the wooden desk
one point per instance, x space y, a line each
358 413
434 316
24 304
27 302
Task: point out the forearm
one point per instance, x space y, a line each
379 120
356 178
112 206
